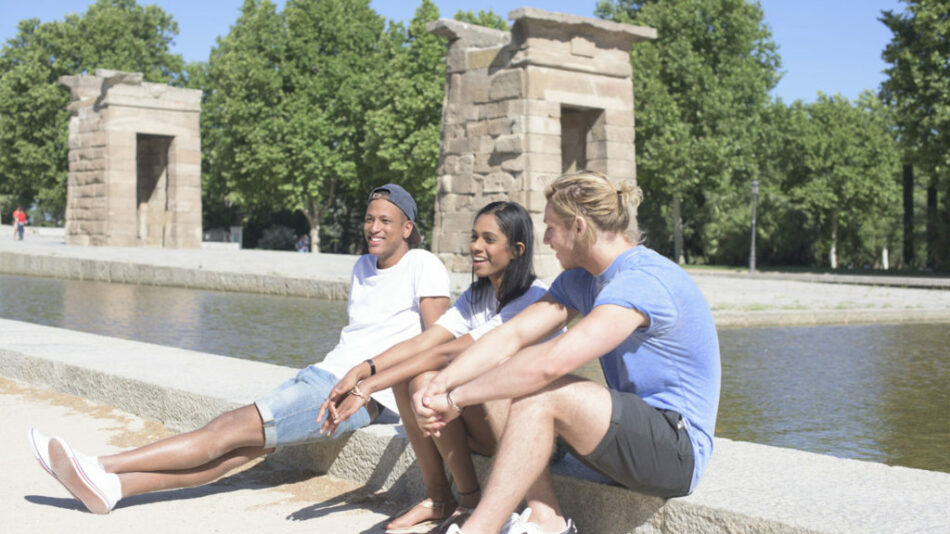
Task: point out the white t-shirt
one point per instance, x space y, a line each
477 318
384 310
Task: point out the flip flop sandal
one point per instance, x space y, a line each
422 527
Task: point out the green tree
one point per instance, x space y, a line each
243 124
700 91
334 66
842 166
111 34
918 89
488 18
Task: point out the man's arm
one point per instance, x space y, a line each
533 368
431 308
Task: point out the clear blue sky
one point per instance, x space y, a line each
833 46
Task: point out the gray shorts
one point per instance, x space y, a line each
645 449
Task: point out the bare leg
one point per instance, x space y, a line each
430 464
478 429
136 483
229 431
576 409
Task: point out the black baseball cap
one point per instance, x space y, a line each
403 200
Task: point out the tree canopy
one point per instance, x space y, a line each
111 34
917 88
700 90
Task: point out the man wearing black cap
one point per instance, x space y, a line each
395 292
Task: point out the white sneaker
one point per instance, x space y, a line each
82 476
453 529
39 444
517 522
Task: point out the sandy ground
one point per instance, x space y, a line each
262 498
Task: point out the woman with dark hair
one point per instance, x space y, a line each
503 284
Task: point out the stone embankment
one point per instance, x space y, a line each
747 488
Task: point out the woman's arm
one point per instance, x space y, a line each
534 323
431 308
432 359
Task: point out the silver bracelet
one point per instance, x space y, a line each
448 398
357 392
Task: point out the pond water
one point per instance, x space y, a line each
870 392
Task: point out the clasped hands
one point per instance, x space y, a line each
430 404
433 408
341 403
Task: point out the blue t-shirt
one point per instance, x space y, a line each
673 363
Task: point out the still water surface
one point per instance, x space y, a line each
871 392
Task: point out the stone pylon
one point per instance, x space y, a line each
553 95
134 162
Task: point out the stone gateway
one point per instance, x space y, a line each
521 108
134 162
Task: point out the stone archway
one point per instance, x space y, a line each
554 94
134 162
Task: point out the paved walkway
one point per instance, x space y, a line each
736 299
263 498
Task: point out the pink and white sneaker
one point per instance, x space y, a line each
82 476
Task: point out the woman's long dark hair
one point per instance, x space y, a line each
515 222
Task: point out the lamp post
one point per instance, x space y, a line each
755 205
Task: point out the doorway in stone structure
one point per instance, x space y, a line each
152 185
576 139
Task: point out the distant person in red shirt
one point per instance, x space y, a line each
19 222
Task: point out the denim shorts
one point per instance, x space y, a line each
289 412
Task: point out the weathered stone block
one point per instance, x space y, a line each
618 117
498 182
483 163
541 81
477 128
513 164
475 88
507 144
616 134
544 163
506 126
581 46
543 144
466 163
457 146
507 84
609 150
481 58
543 125
539 180
450 164
454 131
463 184
616 89
542 108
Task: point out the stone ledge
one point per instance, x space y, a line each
747 488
